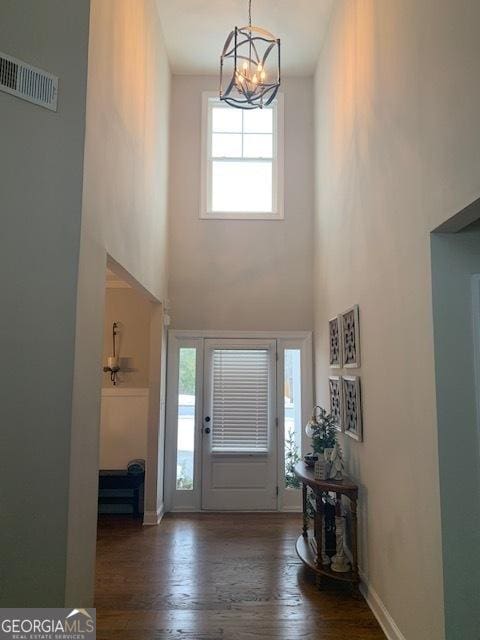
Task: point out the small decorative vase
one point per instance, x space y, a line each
310 459
340 563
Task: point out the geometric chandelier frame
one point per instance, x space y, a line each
250 67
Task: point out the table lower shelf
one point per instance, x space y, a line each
308 557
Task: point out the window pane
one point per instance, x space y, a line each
292 415
186 417
257 145
226 119
242 186
227 145
258 121
240 413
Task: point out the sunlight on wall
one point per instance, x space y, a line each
128 38
352 73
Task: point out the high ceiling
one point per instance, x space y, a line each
195 30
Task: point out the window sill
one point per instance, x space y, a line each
251 215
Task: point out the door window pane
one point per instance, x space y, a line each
240 414
186 417
292 415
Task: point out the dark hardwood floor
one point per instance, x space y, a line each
217 577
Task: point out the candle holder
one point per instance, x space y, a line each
113 363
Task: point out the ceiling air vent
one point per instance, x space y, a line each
27 82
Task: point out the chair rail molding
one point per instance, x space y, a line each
124 392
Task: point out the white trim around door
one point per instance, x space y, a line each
187 394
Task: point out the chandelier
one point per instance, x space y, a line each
250 67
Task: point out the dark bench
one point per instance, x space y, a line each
120 480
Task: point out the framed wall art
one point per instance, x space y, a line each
352 407
336 404
334 336
350 341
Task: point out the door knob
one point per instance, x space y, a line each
207 429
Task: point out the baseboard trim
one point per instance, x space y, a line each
379 610
197 510
152 518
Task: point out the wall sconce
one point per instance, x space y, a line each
113 365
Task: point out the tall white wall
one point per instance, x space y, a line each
41 165
124 216
398 152
240 274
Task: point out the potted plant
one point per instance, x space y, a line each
321 428
292 456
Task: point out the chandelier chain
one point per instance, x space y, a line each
249 13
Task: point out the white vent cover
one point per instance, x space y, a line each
27 82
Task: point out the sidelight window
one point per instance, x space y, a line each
186 417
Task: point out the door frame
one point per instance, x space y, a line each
475 285
183 501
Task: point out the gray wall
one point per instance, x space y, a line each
455 258
240 274
41 164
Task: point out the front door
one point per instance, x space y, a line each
239 462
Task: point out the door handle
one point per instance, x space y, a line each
207 429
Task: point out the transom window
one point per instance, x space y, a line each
242 162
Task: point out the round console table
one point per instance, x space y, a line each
309 544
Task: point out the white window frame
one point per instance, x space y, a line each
206 212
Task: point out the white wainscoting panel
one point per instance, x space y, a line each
123 426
